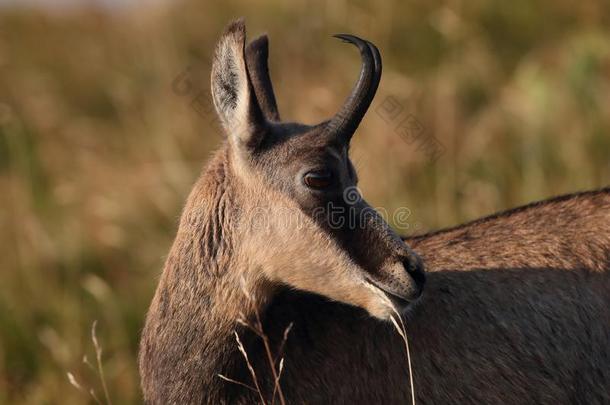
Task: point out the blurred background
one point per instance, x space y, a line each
106 121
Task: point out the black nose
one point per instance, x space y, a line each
415 267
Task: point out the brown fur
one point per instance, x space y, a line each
516 308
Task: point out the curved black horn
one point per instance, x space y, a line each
377 74
345 122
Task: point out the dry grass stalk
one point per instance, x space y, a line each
241 348
257 328
100 371
402 331
79 387
223 377
98 356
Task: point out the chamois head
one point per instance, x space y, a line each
302 223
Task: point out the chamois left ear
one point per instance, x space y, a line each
257 53
232 91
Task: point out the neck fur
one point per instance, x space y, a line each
189 337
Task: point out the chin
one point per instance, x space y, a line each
384 306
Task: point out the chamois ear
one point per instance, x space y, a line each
257 53
232 91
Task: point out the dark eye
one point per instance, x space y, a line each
318 179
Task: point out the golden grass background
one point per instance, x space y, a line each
98 150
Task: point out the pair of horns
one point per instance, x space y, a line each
344 123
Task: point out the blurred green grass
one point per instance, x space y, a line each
97 152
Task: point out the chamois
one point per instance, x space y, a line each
516 308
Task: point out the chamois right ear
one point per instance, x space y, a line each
232 91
